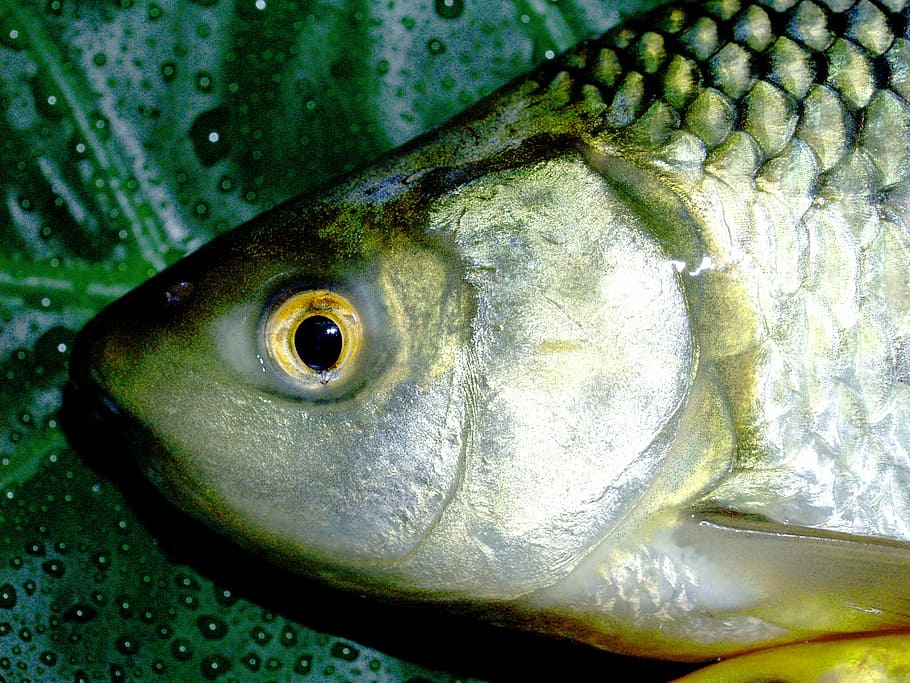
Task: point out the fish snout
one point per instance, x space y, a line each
94 417
91 418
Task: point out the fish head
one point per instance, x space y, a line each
279 382
456 391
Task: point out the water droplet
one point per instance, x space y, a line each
449 9
252 661
7 596
124 607
344 651
204 81
154 12
226 184
54 567
25 634
80 614
212 627
288 636
117 673
260 636
11 34
303 665
100 59
48 99
409 23
186 581
127 645
436 46
100 124
48 658
30 587
209 135
214 666
181 649
168 71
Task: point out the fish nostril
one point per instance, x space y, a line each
177 292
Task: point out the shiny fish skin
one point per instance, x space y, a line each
821 151
637 331
813 127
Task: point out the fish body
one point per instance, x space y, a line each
619 354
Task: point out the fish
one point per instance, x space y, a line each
620 354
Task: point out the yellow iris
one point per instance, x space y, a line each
314 336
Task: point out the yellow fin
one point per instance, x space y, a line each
870 659
810 582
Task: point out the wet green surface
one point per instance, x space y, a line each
131 133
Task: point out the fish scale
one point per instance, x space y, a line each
807 134
726 55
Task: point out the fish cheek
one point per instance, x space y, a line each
581 357
353 479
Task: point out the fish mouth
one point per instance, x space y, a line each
92 420
85 380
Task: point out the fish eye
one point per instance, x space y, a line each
314 336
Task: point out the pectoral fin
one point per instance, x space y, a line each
878 659
810 582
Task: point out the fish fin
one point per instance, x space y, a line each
811 582
880 658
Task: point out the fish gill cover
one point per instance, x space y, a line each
132 132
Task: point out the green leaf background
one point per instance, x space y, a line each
132 132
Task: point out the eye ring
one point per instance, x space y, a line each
314 336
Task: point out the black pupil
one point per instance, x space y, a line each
318 342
